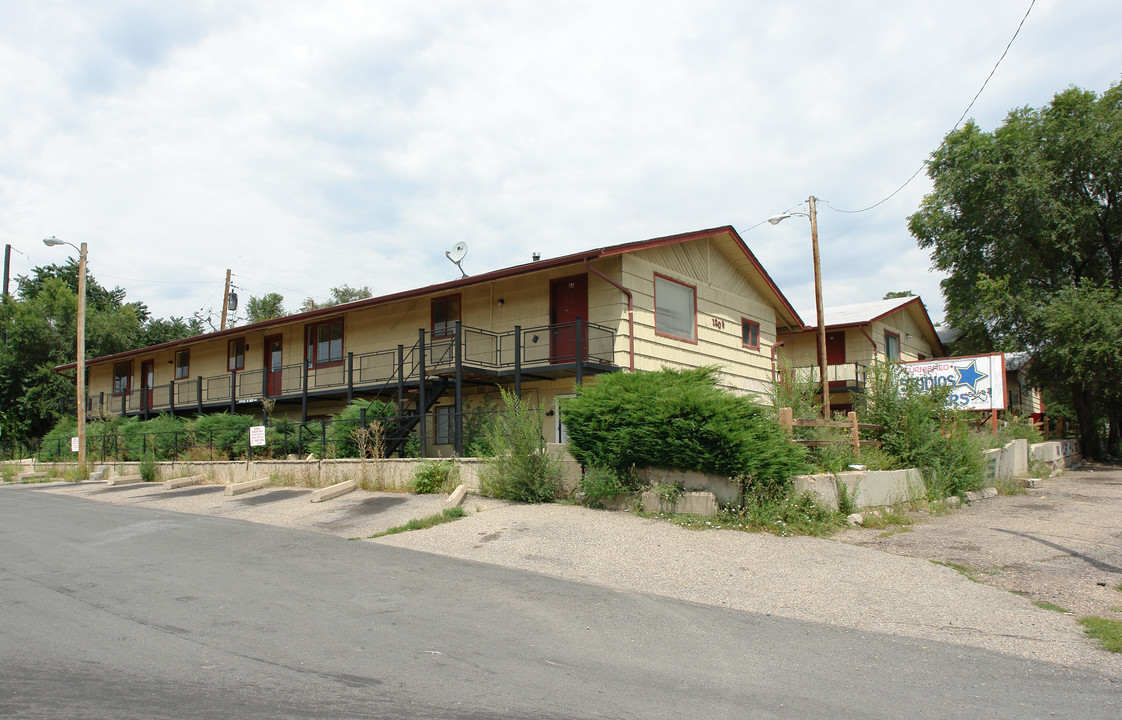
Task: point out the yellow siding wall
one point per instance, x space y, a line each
724 295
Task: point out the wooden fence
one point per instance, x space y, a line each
789 422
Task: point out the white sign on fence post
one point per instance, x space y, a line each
977 382
257 436
73 444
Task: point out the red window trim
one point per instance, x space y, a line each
899 346
693 288
757 326
432 314
230 357
314 361
187 368
128 378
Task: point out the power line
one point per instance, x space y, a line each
960 119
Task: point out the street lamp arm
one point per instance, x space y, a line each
52 241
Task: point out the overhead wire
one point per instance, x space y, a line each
959 122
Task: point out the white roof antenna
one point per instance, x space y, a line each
456 255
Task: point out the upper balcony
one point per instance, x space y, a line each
847 377
470 355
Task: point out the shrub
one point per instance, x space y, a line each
919 431
679 419
599 484
227 434
341 434
433 476
148 468
520 469
55 445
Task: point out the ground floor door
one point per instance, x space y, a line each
568 300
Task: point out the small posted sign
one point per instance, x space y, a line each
73 444
257 436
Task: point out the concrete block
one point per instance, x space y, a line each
722 488
973 496
124 480
457 497
24 477
693 503
247 486
855 519
989 492
1030 482
97 476
333 491
182 481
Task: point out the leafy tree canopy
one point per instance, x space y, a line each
1028 217
339 295
267 307
898 294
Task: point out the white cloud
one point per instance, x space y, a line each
354 142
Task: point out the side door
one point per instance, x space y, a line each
568 300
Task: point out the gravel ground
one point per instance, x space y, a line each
1054 544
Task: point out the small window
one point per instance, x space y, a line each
892 346
444 426
122 378
235 354
445 313
750 334
182 364
324 343
675 309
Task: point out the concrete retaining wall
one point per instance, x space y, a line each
1006 463
873 488
1057 453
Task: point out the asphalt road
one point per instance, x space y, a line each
127 612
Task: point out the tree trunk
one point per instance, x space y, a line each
1088 430
1114 434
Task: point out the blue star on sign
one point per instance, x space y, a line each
970 375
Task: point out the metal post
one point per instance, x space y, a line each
579 342
518 361
171 397
400 380
350 376
459 359
233 392
304 393
421 399
199 393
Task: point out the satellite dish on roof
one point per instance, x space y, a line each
456 255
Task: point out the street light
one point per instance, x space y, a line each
775 220
53 242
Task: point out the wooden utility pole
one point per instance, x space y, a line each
821 312
225 300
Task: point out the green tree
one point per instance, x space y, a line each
898 294
339 295
1028 216
267 307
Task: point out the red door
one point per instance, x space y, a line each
147 377
274 364
568 300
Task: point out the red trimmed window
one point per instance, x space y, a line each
122 378
445 313
235 354
182 364
323 346
750 334
675 309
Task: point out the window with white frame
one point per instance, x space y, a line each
675 309
892 346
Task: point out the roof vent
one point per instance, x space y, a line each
537 256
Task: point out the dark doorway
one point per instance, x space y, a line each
274 364
568 300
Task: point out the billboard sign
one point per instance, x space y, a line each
977 382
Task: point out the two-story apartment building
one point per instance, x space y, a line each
858 335
689 300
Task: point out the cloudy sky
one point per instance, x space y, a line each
310 145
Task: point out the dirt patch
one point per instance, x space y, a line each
1056 544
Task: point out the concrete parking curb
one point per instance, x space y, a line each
124 480
182 481
457 497
247 486
333 491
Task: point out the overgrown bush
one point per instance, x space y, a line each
341 436
920 432
599 484
679 419
227 434
148 468
520 469
433 476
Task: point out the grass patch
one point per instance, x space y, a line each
887 517
1107 632
1116 608
796 515
1009 486
446 515
892 531
1043 605
969 573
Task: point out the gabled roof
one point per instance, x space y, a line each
725 233
867 313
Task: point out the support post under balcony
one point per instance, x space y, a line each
578 341
199 393
171 397
518 361
350 376
459 349
304 394
421 399
233 392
